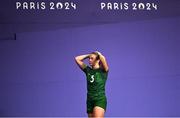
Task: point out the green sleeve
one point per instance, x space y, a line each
85 70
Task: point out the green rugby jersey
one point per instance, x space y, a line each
96 81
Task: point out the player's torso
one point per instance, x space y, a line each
96 80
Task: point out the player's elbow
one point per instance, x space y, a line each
106 69
76 58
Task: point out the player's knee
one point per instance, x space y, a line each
98 112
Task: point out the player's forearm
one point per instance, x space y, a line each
103 60
101 57
81 57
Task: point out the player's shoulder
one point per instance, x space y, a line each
86 68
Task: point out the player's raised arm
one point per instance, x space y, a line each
103 61
79 60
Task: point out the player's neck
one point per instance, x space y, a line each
96 66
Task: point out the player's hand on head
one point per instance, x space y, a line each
99 53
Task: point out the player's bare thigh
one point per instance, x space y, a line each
98 112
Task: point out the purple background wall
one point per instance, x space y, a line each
40 78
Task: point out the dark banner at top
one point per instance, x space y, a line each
82 11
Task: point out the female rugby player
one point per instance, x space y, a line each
96 76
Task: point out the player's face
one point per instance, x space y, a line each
92 59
